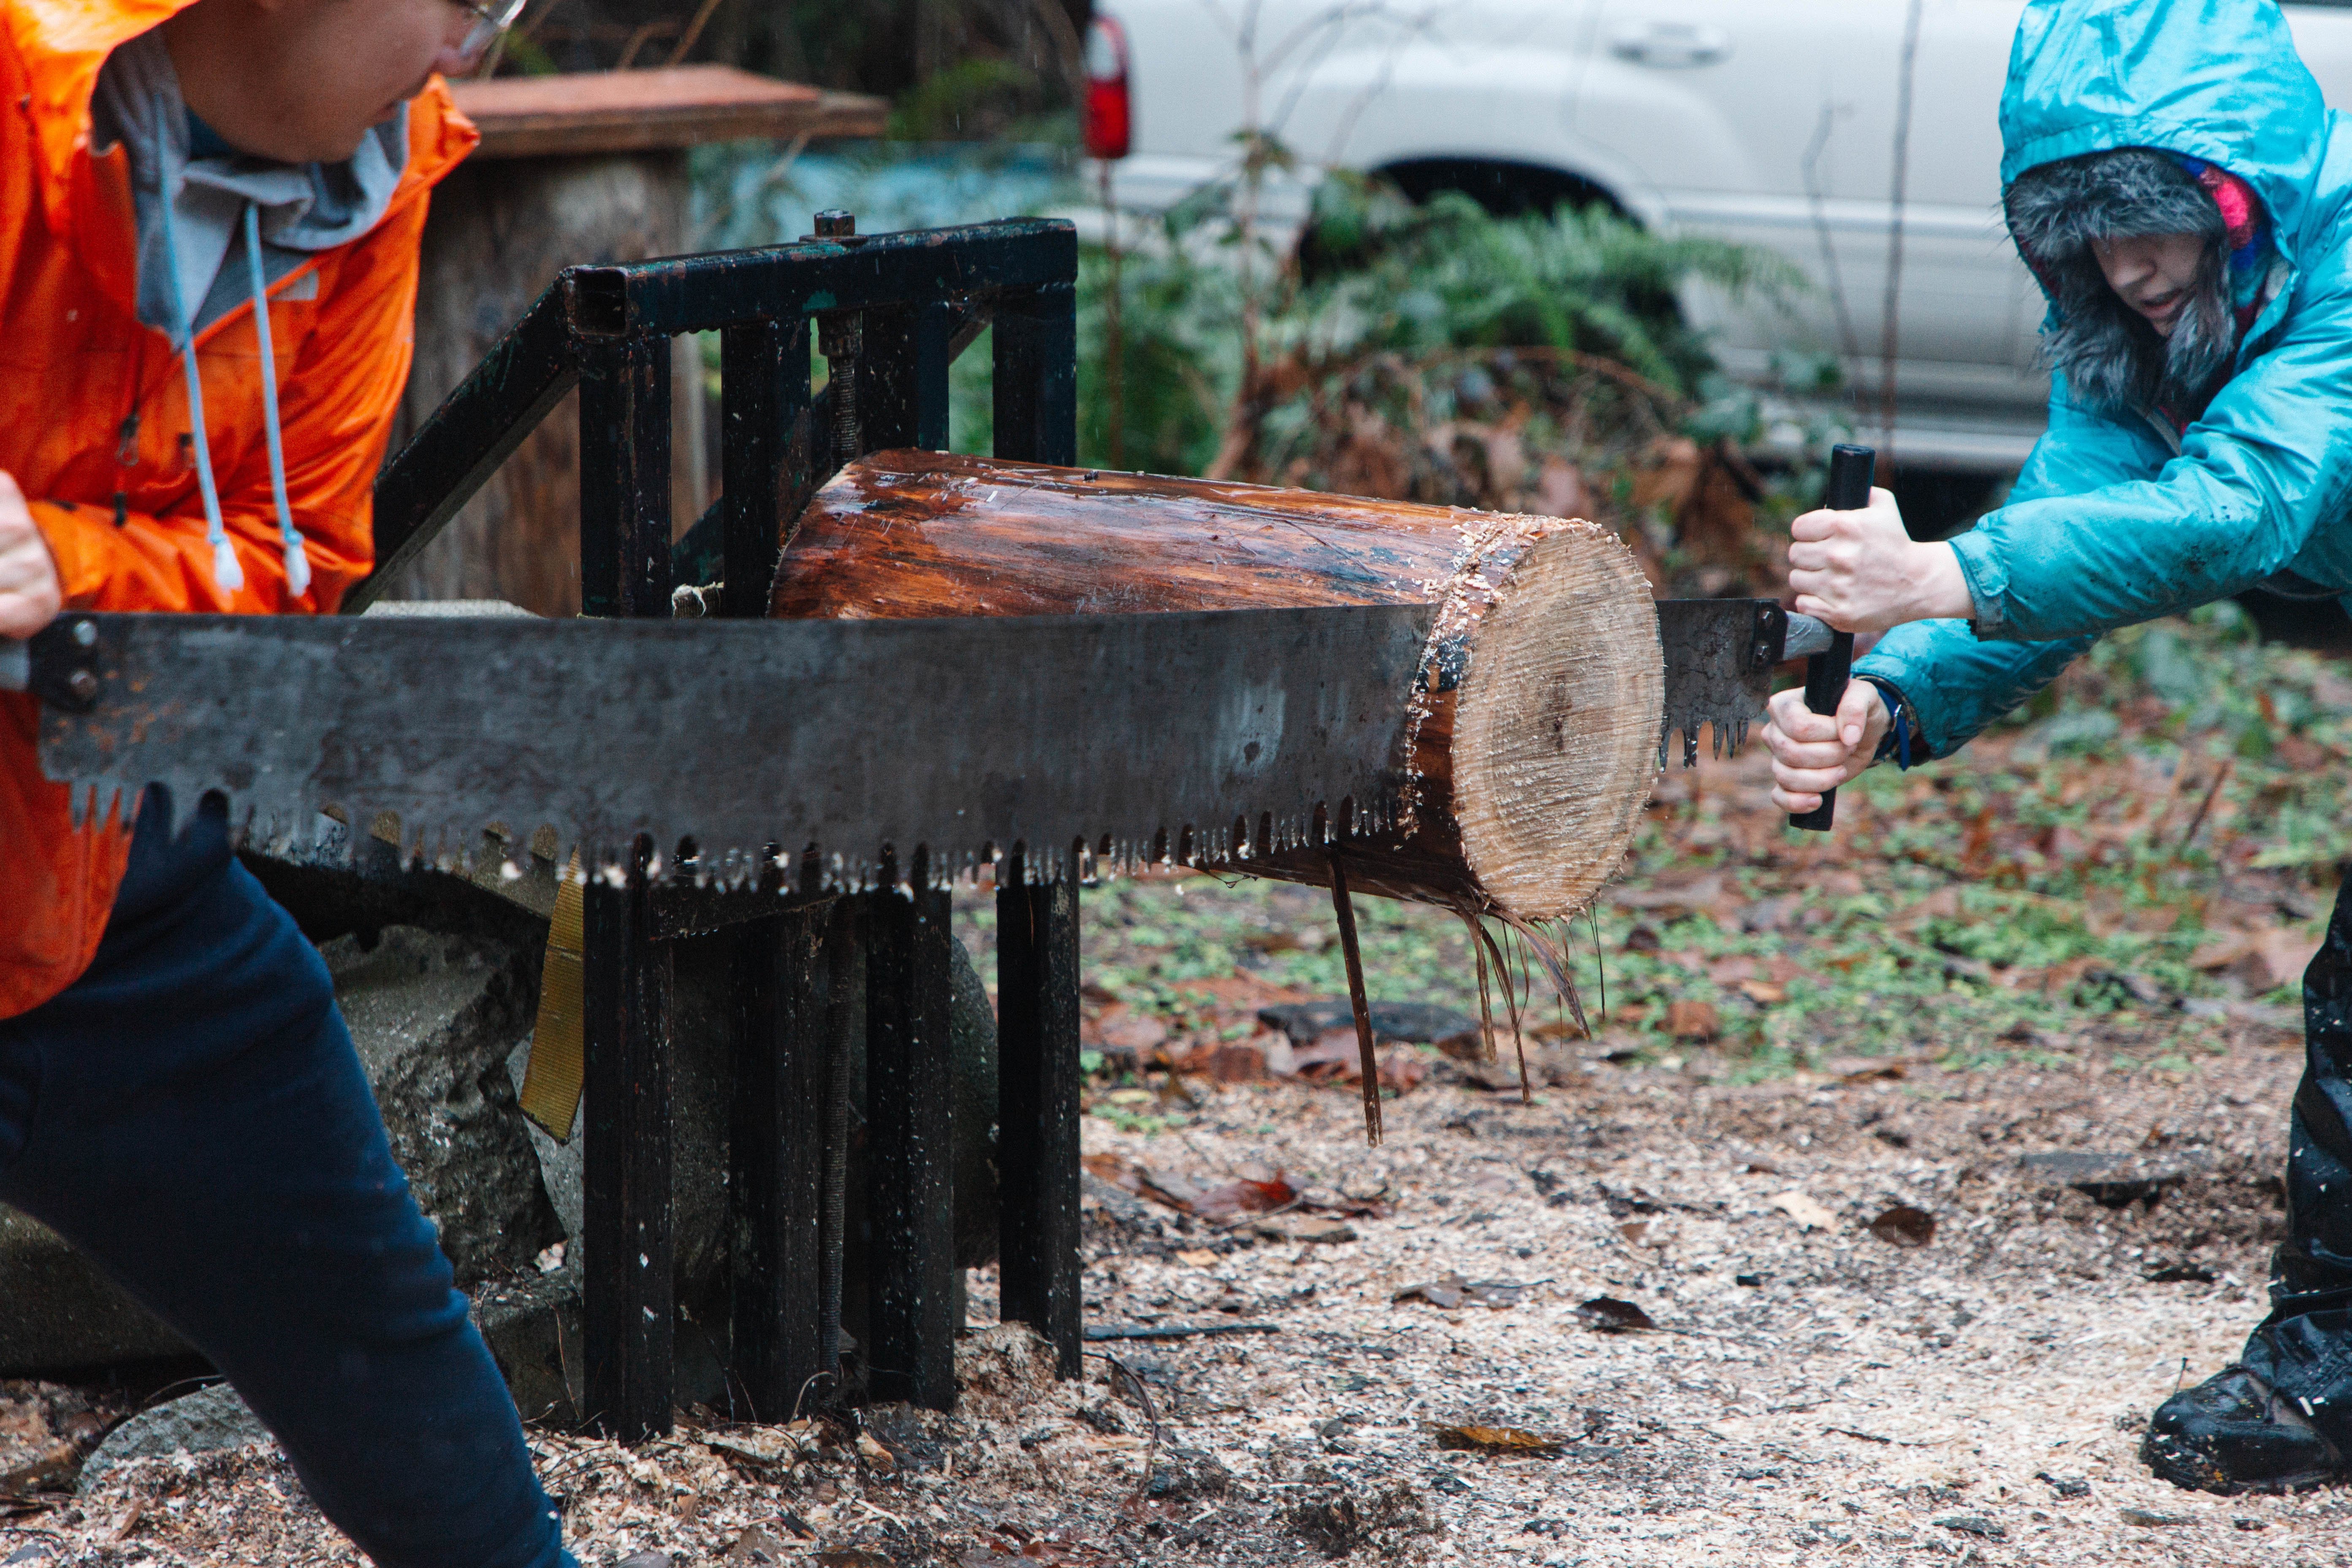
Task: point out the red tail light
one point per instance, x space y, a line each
1109 118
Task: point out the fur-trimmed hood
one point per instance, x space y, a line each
2214 81
2112 360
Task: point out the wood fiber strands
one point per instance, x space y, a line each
1526 750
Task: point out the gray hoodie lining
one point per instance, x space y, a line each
304 210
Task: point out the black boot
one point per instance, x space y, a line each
2282 1418
2234 1433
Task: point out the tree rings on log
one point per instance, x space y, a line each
1526 749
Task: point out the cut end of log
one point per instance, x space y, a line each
1555 744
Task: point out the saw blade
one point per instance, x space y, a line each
1719 656
1200 737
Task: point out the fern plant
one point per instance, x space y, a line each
1228 346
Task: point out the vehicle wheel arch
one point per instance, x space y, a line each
1507 187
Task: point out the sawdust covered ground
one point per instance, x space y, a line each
1861 1402
2050 952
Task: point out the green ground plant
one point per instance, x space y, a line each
2057 893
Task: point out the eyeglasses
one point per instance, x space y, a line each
491 18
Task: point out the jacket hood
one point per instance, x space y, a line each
62 44
2217 80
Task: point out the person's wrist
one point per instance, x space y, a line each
1942 592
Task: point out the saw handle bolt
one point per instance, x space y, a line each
1826 674
54 664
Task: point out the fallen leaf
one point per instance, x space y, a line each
1239 1061
757 1547
1336 1056
1217 1204
1198 1257
849 1557
1763 993
760 1445
1691 896
1902 1226
1236 1198
1805 1211
1612 1316
1328 1232
1856 1070
875 1454
1450 1291
1120 1029
1499 1441
2285 954
1688 1020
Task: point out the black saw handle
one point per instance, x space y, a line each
1826 674
56 664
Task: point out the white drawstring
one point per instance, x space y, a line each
226 573
298 565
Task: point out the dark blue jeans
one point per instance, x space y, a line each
190 1114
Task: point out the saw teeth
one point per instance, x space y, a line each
1727 735
297 825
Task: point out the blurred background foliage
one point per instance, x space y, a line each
1434 352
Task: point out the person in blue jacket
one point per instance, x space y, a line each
2174 180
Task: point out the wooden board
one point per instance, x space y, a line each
578 114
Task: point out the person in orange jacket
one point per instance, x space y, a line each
210 213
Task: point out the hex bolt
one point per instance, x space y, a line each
85 633
82 686
835 223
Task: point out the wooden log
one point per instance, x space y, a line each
1524 755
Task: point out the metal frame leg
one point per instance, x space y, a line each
1036 389
909 1153
1037 1107
1035 376
626 1307
906 370
777 1158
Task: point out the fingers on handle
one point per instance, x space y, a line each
1855 711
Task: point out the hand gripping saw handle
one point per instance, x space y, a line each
1826 674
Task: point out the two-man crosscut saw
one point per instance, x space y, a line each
1127 738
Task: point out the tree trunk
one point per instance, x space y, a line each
1524 756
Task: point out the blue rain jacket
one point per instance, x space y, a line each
2109 524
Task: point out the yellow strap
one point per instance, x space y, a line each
552 1080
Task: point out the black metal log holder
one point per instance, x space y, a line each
904 305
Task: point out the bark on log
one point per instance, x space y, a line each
1523 761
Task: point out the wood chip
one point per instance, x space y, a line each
1805 1211
1499 1441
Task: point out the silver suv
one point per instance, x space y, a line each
1770 122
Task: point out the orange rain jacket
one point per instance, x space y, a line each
76 364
